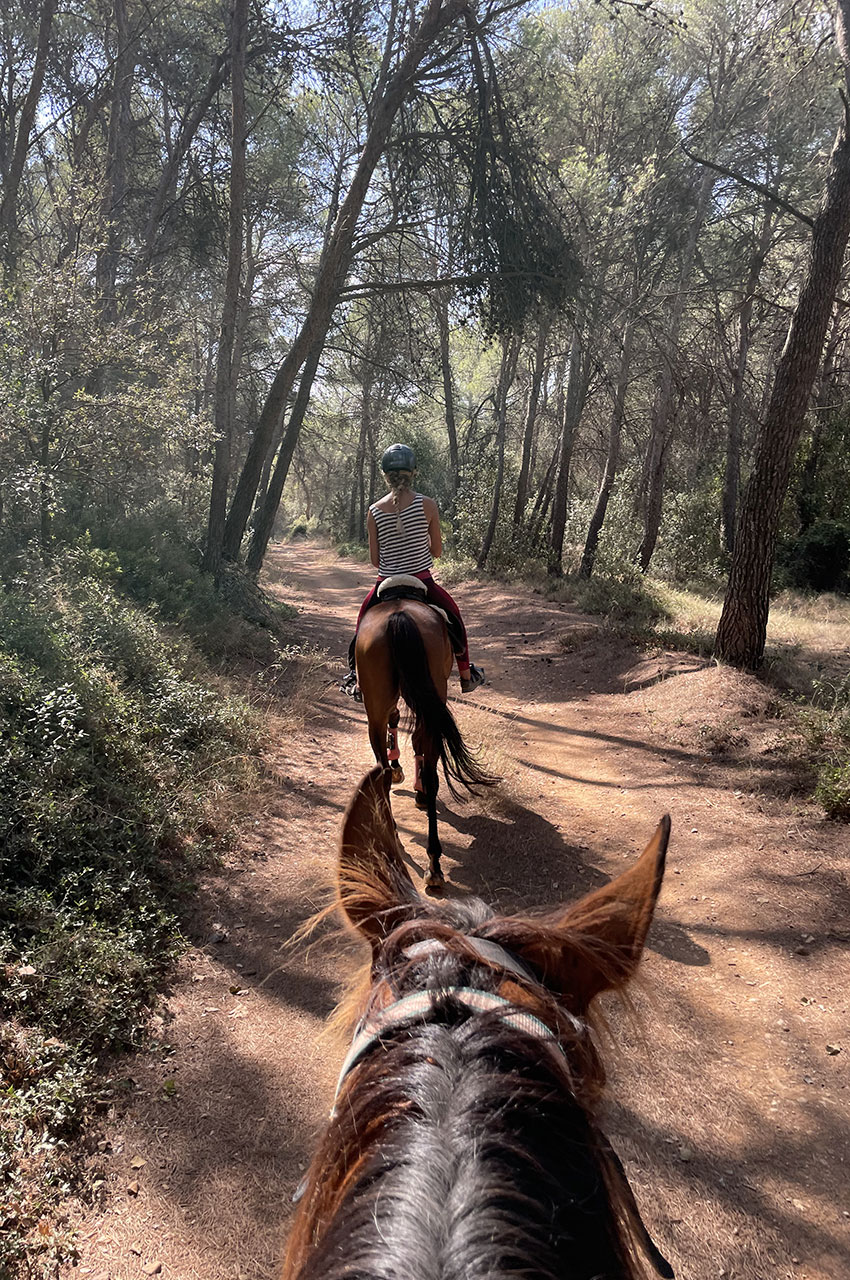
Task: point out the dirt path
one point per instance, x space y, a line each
729 1101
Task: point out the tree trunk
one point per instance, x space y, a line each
356 514
732 471
613 457
265 516
331 274
441 309
573 405
225 376
12 179
507 373
531 419
828 400
742 630
185 137
544 495
115 174
659 435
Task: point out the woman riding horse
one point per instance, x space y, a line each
405 538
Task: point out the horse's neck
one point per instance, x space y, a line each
481 1163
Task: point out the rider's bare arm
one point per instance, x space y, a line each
432 515
374 554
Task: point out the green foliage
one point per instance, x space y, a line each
626 599
689 543
114 758
155 558
45 1089
97 419
833 790
819 740
818 559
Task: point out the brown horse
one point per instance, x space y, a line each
463 1141
403 650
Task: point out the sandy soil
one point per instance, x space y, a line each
729 1092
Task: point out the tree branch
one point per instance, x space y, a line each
758 187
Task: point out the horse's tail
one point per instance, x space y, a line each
410 659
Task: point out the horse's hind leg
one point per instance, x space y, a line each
378 742
392 748
435 879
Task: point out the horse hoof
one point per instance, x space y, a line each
435 884
397 776
421 800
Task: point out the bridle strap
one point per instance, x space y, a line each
490 952
420 1005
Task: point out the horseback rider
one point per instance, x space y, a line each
405 538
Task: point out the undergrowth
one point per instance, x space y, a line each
823 730
114 759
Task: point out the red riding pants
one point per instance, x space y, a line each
436 595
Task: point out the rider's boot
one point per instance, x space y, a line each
471 678
348 684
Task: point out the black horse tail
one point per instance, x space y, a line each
430 713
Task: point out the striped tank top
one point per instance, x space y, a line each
404 544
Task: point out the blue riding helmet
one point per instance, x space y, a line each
399 457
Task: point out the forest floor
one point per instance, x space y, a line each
729 1092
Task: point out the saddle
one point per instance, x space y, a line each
403 586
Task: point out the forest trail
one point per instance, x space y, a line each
730 1102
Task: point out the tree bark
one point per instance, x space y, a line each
185 136
507 373
265 516
331 274
573 405
659 435
742 631
828 400
12 180
531 418
225 379
612 460
115 174
441 310
732 470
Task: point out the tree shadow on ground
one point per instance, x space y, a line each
780 1169
537 867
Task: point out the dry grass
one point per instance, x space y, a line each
808 637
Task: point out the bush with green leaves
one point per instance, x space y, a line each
818 559
689 548
825 728
114 756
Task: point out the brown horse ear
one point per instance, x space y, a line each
374 886
596 944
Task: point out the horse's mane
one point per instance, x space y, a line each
463 1147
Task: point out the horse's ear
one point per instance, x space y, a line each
596 943
374 886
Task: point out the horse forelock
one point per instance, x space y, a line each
461 1147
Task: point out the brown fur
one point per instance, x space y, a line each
573 953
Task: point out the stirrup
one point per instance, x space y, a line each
349 685
473 680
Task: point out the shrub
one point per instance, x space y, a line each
823 727
818 559
113 757
626 599
833 790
